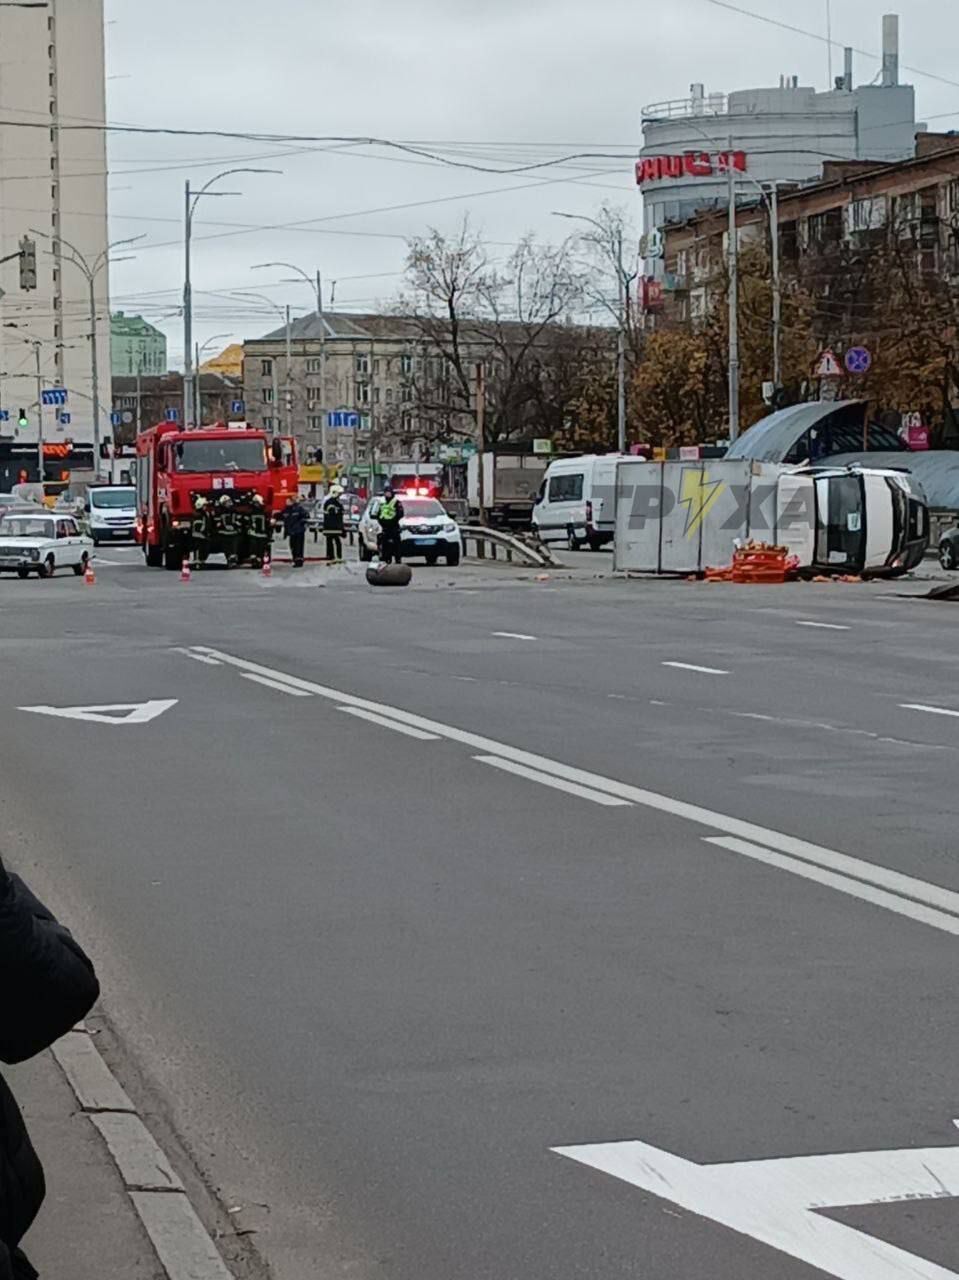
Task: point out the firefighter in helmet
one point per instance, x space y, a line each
227 530
257 531
200 529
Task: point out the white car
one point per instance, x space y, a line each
42 543
425 530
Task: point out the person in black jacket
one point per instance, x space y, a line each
333 524
296 519
47 985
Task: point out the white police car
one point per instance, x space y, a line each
42 542
425 530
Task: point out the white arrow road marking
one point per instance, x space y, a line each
774 1201
111 712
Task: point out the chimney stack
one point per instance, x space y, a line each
890 50
847 73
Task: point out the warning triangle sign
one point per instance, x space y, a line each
110 713
827 366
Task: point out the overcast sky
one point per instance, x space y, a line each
504 81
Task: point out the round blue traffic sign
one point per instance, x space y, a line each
858 360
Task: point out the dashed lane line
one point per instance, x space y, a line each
943 901
512 635
386 723
548 780
279 685
690 666
933 711
824 626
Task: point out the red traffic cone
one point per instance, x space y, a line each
89 575
185 573
267 569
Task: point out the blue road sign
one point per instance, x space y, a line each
4 415
53 395
64 419
858 360
173 415
344 418
116 419
238 406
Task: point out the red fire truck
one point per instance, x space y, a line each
176 467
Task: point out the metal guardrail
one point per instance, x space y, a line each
507 546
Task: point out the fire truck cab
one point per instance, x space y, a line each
176 467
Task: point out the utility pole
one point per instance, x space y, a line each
481 438
140 393
372 449
187 309
288 389
275 366
323 411
56 246
777 285
198 386
621 350
94 372
40 468
733 249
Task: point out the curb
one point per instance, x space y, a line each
184 1247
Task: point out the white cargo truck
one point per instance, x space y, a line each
685 517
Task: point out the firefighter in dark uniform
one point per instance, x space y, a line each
333 524
257 532
227 530
200 529
389 516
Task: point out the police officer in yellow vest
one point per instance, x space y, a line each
389 515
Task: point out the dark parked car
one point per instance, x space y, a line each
949 549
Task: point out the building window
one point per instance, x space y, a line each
389 395
314 366
266 368
362 393
363 364
376 395
376 366
315 423
365 421
407 395
361 453
406 365
267 395
268 424
865 215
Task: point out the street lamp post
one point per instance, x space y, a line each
284 312
91 270
192 200
217 337
622 283
315 283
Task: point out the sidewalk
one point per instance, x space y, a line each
88 1228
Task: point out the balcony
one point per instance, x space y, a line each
683 108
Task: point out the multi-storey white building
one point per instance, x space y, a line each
53 183
777 135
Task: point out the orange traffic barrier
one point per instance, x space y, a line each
185 572
89 574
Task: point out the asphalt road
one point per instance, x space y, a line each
405 891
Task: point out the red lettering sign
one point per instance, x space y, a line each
651 294
692 164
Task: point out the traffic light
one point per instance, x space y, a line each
28 263
22 419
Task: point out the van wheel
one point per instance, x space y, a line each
947 555
595 544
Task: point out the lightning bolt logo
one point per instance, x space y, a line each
697 494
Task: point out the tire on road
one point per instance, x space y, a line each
389 575
947 555
453 557
49 567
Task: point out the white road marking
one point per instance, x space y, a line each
933 711
689 666
905 886
512 635
200 657
843 884
547 779
823 626
110 713
112 564
276 684
775 1201
385 723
